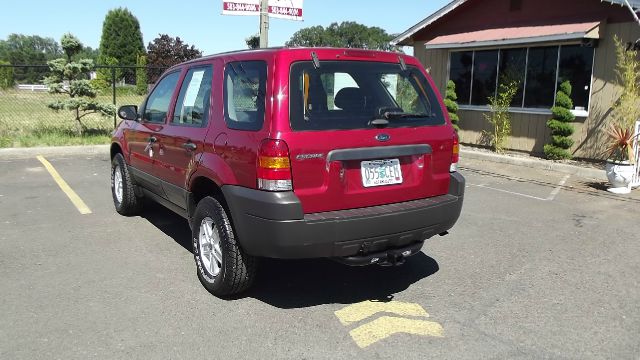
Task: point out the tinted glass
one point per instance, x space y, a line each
576 63
192 106
349 95
244 94
159 100
485 70
512 66
460 74
541 77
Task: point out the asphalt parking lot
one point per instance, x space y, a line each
540 265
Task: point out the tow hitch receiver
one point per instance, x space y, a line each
392 257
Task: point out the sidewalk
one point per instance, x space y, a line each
531 162
465 153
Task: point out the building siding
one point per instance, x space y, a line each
529 131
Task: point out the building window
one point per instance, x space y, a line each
485 69
512 68
540 85
460 74
538 71
576 63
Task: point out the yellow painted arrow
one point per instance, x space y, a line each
385 326
360 311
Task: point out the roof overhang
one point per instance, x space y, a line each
402 38
635 4
405 37
517 35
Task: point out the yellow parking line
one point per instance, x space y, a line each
386 326
75 199
365 309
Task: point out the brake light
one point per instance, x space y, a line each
273 166
455 157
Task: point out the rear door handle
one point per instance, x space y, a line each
189 146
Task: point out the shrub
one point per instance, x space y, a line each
626 110
451 104
499 117
141 75
6 75
560 125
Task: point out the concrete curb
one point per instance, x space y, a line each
465 153
580 171
23 153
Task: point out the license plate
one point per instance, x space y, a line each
381 172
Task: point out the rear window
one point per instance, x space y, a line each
351 94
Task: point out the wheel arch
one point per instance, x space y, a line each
202 186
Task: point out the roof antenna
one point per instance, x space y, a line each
403 65
316 62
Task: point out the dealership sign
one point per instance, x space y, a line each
284 9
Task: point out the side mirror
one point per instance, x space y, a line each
128 112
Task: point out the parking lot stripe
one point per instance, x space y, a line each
365 309
385 326
75 199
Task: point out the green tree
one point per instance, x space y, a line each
166 51
122 39
20 49
253 41
450 101
499 116
69 77
141 75
104 76
345 34
6 75
560 125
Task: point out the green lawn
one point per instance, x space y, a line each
25 120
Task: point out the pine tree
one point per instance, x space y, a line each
70 78
560 125
122 39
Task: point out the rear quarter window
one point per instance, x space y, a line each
350 94
244 94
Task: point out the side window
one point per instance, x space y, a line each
192 106
244 94
159 100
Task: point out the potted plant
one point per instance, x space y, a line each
620 161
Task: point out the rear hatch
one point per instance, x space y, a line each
365 133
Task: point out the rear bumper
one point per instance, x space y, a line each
273 225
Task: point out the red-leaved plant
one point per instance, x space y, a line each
620 146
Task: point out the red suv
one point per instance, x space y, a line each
292 153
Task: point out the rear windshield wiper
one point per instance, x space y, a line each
403 115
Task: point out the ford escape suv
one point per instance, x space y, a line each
292 153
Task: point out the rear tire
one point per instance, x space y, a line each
123 188
223 267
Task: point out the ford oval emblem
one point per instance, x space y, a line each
383 137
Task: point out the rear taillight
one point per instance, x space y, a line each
273 166
455 157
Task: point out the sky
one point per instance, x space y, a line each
200 22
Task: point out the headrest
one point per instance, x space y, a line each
350 99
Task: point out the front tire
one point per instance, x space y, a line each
223 267
123 188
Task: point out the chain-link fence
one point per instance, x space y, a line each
27 117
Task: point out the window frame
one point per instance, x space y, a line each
234 124
205 122
522 109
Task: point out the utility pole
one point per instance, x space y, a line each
264 23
